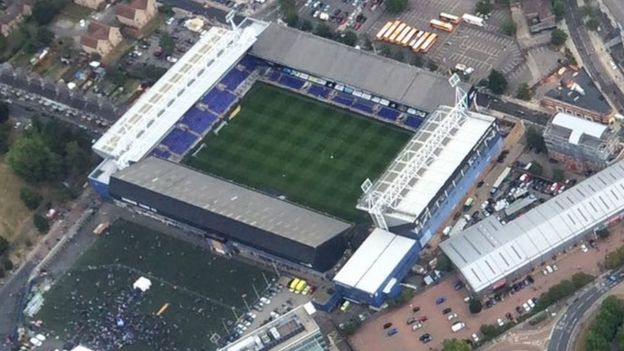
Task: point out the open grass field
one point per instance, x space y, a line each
313 153
200 288
12 209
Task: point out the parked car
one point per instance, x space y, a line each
417 326
425 338
392 331
451 316
440 300
446 310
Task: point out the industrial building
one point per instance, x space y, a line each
375 270
230 212
294 331
578 95
489 254
580 144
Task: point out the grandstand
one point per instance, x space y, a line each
195 98
490 254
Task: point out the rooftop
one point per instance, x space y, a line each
359 69
95 32
128 9
282 333
488 251
159 108
578 128
233 201
439 167
372 263
577 88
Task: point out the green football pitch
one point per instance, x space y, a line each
202 291
313 153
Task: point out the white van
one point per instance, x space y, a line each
457 326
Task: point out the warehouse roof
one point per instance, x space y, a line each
359 69
233 201
487 252
373 262
577 127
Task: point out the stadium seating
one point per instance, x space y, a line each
218 100
234 78
161 153
343 99
388 114
275 76
249 63
179 141
198 121
291 82
318 91
413 122
363 106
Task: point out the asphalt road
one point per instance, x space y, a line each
11 296
564 329
510 108
590 58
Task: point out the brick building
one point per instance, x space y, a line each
136 13
14 15
100 39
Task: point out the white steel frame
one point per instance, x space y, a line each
376 201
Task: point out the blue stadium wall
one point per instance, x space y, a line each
488 149
378 299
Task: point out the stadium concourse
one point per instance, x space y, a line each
204 90
490 254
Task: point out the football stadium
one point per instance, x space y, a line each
273 141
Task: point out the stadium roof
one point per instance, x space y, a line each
440 166
488 251
373 262
233 201
359 69
150 118
578 127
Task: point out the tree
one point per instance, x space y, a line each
7 264
44 37
432 66
385 50
535 140
418 60
166 10
30 198
31 159
536 168
524 92
509 27
396 6
558 37
4 112
115 75
398 55
323 30
44 11
497 82
4 245
367 44
592 24
455 345
41 223
349 37
558 175
166 44
483 7
558 9
475 306
5 133
76 158
306 25
289 12
444 264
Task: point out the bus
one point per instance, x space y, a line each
401 36
449 18
299 288
383 30
396 33
293 284
501 178
101 228
426 46
390 30
474 20
416 38
416 46
409 36
447 27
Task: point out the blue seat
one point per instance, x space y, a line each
388 113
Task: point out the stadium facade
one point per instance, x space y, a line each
489 254
449 151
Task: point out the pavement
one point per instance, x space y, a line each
531 115
13 290
590 57
566 329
